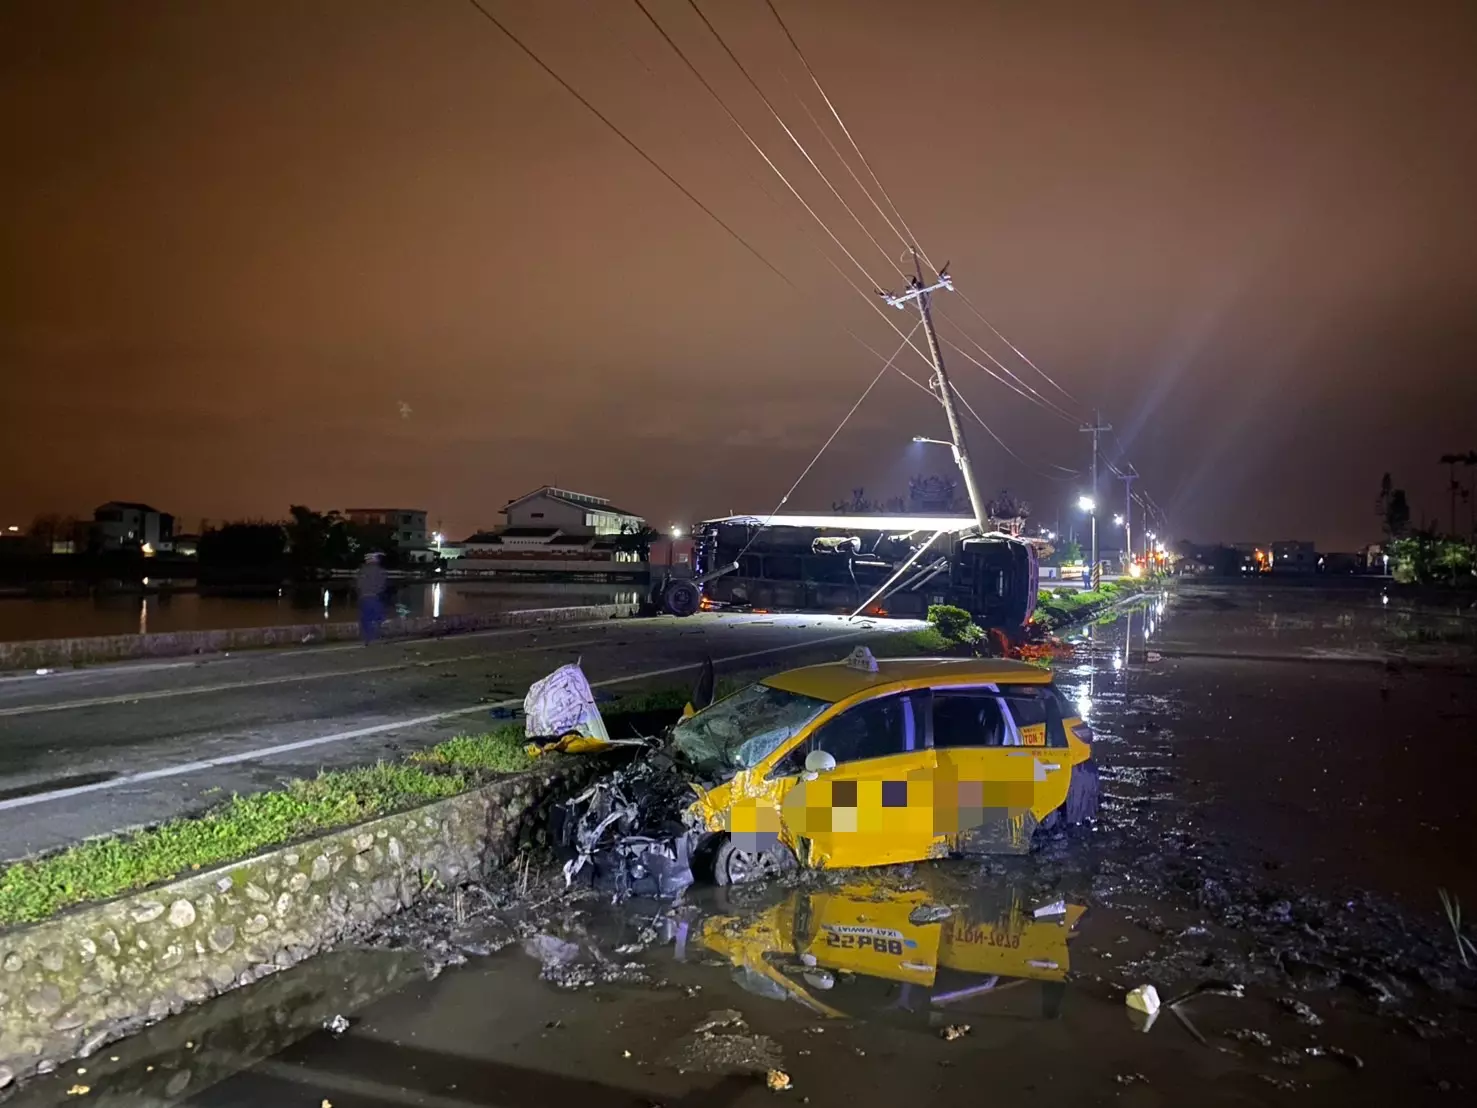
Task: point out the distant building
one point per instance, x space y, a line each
407 526
1294 556
569 513
124 525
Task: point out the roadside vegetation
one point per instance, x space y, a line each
1057 608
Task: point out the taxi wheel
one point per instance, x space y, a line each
1083 798
1084 795
732 866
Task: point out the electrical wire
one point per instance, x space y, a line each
786 181
827 444
786 128
968 303
629 142
991 432
757 148
1007 383
910 240
1018 385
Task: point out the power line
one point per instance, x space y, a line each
991 432
757 148
793 191
703 207
1035 394
785 127
911 241
1007 383
1018 352
647 158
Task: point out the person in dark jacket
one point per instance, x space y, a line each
370 582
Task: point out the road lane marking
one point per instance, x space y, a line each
165 694
259 753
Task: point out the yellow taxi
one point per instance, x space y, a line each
866 763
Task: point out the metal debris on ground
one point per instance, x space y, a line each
954 1031
337 1025
720 1019
1248 1035
1046 911
777 1080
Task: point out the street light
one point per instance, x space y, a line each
1117 521
1088 505
676 532
936 442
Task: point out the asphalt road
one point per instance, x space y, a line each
91 751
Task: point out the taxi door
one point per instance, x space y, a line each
990 774
876 806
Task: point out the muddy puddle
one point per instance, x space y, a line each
1289 972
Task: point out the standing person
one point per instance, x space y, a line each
370 581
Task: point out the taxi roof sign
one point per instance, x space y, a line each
862 659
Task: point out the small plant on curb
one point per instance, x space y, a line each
955 624
1453 909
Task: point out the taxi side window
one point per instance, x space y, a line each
1037 707
967 717
873 729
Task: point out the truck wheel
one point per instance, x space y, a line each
682 598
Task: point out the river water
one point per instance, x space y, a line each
111 613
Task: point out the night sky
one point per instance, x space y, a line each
364 252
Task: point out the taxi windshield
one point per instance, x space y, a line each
739 731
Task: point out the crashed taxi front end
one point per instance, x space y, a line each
867 763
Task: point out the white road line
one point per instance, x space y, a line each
362 732
165 694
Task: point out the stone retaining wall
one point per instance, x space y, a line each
41 653
89 976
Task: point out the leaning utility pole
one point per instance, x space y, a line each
917 291
1127 479
1096 427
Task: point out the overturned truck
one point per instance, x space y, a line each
885 565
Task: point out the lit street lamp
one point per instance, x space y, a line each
1117 521
1088 505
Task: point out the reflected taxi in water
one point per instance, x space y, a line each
863 949
866 762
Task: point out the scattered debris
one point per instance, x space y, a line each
1131 1079
337 1026
717 1021
954 1031
1046 911
777 1080
1144 999
1248 1035
79 1090
1295 1006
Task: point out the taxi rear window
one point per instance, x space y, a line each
1037 712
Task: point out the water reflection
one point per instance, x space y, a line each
927 953
183 606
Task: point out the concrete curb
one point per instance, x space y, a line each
98 972
42 653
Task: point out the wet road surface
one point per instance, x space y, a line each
89 751
1271 822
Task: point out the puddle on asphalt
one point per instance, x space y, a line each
1000 978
